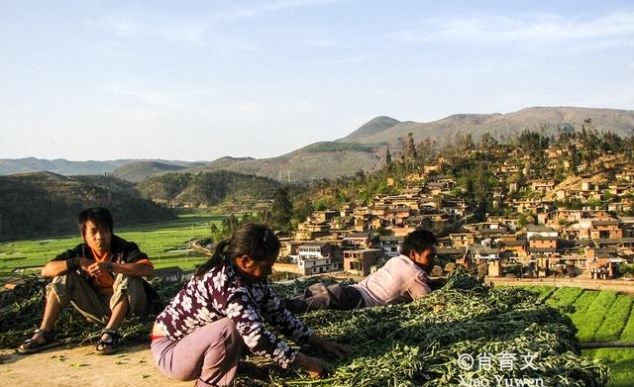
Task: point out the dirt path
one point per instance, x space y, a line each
79 366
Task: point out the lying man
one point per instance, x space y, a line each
101 278
401 279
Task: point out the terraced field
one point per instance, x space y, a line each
599 316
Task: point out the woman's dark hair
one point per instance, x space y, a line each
100 216
253 239
418 240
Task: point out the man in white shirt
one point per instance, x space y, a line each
401 279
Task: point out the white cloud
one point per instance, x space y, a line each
536 29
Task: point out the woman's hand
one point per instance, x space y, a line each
328 346
316 367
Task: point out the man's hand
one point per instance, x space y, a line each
328 346
85 263
316 367
97 268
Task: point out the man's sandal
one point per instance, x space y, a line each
107 344
32 345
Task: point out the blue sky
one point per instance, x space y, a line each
201 80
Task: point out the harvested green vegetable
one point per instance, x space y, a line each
419 344
416 344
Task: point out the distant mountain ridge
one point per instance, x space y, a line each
71 168
374 126
139 170
59 166
548 119
365 148
362 149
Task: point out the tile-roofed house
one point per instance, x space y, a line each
625 175
461 240
542 250
391 245
511 244
324 216
450 253
625 205
619 189
599 228
309 230
358 240
543 186
360 262
483 253
539 244
532 229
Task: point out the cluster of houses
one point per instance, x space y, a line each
592 241
359 238
595 244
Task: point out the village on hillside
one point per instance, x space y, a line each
559 210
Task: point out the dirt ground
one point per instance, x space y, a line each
80 366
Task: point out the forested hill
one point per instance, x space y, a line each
41 204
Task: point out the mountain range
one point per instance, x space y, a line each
364 148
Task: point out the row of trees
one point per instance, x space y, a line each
278 217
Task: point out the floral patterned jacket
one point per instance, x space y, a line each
221 293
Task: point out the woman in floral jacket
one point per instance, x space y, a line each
227 306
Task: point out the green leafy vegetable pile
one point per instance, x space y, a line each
464 334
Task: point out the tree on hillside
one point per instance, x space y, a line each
389 165
574 158
628 147
534 145
410 150
465 142
477 182
426 151
408 153
611 143
302 210
487 141
230 224
281 210
359 176
590 143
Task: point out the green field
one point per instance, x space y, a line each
165 243
599 316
